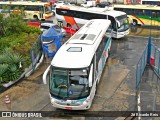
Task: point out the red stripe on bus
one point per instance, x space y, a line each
69 19
138 19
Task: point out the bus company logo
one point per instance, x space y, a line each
6 114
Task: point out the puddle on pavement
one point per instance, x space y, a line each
119 101
112 61
113 91
141 31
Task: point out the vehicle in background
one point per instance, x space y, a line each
77 2
76 16
46 26
89 4
30 10
141 14
103 4
76 69
151 2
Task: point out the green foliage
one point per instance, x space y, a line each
10 65
14 72
2 59
17 41
3 72
15 25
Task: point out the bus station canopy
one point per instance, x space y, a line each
51 33
51 41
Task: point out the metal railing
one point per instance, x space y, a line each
36 52
140 67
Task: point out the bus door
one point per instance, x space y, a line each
153 18
114 25
41 11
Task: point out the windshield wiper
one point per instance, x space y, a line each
60 88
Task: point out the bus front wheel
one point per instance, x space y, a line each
69 25
35 17
135 22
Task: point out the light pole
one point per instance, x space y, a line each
152 16
150 24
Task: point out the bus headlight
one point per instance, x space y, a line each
79 103
85 102
53 101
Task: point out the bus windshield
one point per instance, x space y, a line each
47 9
69 83
124 23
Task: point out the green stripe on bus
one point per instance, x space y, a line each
149 18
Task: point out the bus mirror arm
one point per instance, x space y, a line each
45 75
90 76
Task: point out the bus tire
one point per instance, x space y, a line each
35 17
134 22
109 52
69 25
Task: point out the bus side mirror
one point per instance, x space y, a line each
45 75
90 76
118 23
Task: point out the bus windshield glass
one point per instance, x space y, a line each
69 83
124 23
47 9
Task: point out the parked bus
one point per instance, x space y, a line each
151 2
77 67
77 16
141 14
32 10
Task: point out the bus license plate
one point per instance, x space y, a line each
68 108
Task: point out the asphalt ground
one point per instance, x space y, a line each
116 90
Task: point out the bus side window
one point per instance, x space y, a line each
139 12
40 9
129 11
148 12
143 12
158 14
153 14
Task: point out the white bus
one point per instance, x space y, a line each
77 67
77 16
32 10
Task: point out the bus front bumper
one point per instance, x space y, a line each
120 34
49 16
60 104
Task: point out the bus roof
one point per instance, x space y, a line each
150 7
98 10
24 3
79 50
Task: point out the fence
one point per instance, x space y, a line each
150 56
141 66
36 52
155 59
